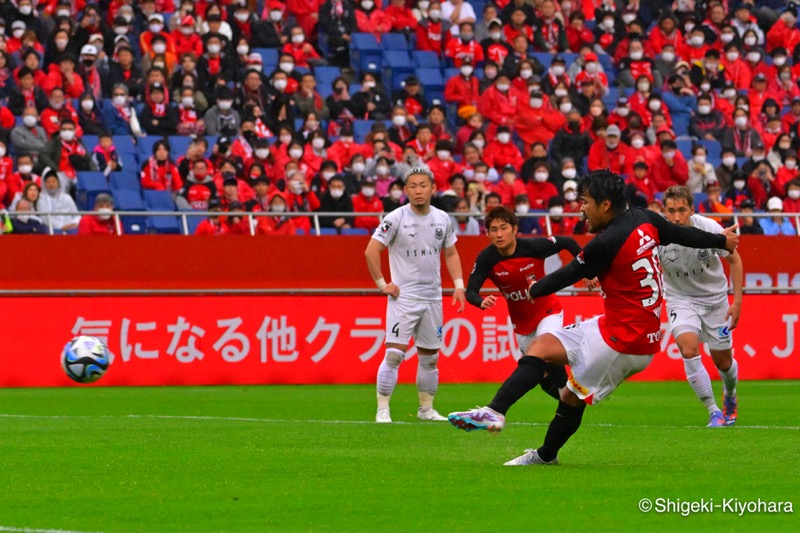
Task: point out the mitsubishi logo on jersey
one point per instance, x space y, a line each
645 242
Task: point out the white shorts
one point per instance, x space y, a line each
595 369
548 324
419 319
707 322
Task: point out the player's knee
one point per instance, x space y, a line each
428 362
394 357
530 360
723 360
571 399
690 351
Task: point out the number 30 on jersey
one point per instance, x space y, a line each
652 279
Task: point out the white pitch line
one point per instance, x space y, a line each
358 422
29 530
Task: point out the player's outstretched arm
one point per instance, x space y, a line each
373 257
670 233
737 277
544 247
453 262
563 277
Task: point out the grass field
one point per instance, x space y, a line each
310 459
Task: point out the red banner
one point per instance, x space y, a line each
304 340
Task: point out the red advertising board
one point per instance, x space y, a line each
208 340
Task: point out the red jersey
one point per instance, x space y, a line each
624 258
513 275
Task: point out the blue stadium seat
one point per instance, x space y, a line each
90 184
328 231
124 144
125 181
431 80
178 144
145 145
450 73
545 58
212 140
425 59
192 221
360 130
608 63
355 231
366 54
434 97
130 200
680 125
269 56
740 161
161 201
397 67
325 75
713 148
90 142
700 197
129 161
395 41
685 147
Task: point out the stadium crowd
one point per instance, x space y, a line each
311 105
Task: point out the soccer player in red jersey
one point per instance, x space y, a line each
601 352
512 264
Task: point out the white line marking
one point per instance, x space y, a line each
29 530
358 422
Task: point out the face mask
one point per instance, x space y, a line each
368 85
56 105
18 33
643 87
120 30
739 185
298 38
278 208
565 108
29 121
155 28
242 49
636 56
732 56
758 157
25 169
669 155
525 74
536 103
214 48
669 57
502 87
750 40
540 177
382 170
435 14
224 105
67 135
369 192
740 122
700 159
395 194
187 30
480 177
705 87
466 37
358 167
570 196
745 107
423 4
521 209
654 105
26 10
105 213
23 218
595 111
704 109
318 143
753 57
337 193
241 16
443 154
296 153
297 187
286 139
312 125
503 138
87 105
623 111
128 17
346 140
560 92
328 174
726 38
637 143
608 24
791 164
556 210
592 67
729 94
627 18
794 194
399 120
275 15
495 35
786 75
612 145
729 161
696 40
480 143
159 48
779 61
467 70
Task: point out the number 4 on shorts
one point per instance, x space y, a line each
396 329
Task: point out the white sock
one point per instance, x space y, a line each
387 376
730 378
697 376
427 380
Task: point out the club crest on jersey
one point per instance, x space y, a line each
702 255
645 242
439 233
385 226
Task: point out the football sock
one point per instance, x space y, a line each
730 378
555 379
698 378
427 380
562 427
526 376
387 376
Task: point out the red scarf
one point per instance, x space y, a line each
125 112
187 115
262 130
30 98
159 110
213 66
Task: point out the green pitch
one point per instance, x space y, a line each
309 459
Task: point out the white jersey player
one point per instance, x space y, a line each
697 304
415 234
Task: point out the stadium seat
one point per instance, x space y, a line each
685 147
161 201
608 64
680 125
130 162
545 58
325 75
425 59
700 197
124 144
144 146
395 41
328 231
90 184
366 54
130 200
355 231
90 142
397 67
713 149
178 144
211 140
269 56
192 221
361 129
430 79
125 181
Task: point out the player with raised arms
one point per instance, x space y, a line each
603 351
696 290
415 234
512 264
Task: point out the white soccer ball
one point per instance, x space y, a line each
85 359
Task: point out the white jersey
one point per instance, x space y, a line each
415 244
694 274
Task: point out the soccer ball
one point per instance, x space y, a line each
85 359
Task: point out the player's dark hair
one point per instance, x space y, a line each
500 213
678 193
603 185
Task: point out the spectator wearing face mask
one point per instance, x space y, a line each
303 53
396 196
67 154
707 123
591 73
559 224
29 138
155 27
609 153
443 165
221 118
640 180
508 187
120 117
103 222
741 139
700 170
105 155
537 122
501 152
539 188
26 222
370 18
336 200
55 200
366 201
784 32
300 199
463 89
741 189
777 224
571 141
276 222
669 167
499 105
59 110
791 203
748 225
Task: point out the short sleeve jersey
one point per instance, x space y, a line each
695 274
415 244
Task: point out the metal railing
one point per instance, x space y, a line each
252 217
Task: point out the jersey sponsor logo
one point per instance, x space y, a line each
385 226
645 242
655 337
439 233
580 389
439 332
410 226
422 252
527 267
724 333
516 296
504 273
